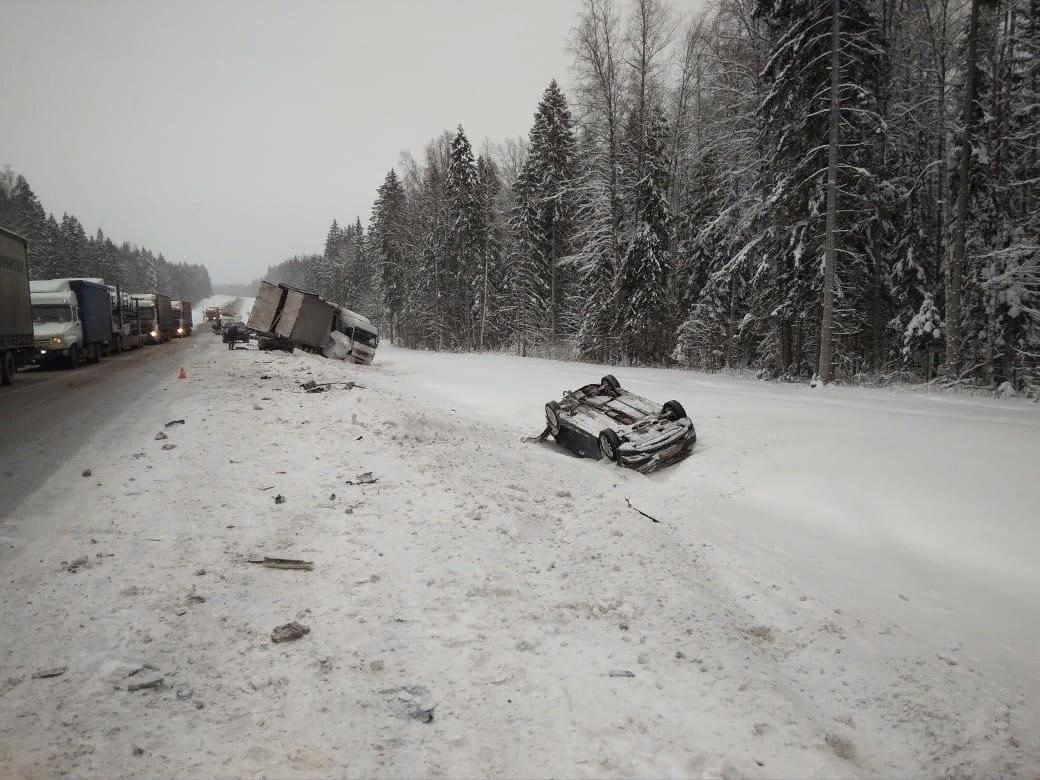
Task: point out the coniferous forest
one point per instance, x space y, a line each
63 249
841 188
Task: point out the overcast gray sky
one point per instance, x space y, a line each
231 133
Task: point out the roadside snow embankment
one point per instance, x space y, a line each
479 606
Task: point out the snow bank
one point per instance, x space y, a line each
811 604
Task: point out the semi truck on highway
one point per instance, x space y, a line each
126 326
156 316
182 317
17 347
72 321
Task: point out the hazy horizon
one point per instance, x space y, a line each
233 135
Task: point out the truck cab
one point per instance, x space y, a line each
363 335
57 329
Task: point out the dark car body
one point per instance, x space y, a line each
235 331
605 421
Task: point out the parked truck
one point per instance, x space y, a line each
17 347
182 317
286 317
72 321
156 316
125 322
126 328
212 314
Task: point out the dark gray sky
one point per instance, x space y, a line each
231 133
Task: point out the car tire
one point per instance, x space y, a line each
552 417
610 445
673 410
7 369
610 383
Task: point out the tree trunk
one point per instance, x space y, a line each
826 369
955 266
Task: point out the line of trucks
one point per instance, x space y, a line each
286 317
63 322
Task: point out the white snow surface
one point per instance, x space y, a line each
842 583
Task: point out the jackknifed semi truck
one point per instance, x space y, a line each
17 347
72 321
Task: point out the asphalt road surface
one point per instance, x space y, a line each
49 415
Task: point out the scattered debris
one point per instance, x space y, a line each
376 666
137 751
195 598
83 562
137 455
283 563
279 499
621 673
424 715
842 747
185 693
289 632
171 423
310 386
359 438
640 511
762 632
86 473
150 679
265 376
169 446
904 598
56 671
363 479
160 436
332 496
200 572
269 487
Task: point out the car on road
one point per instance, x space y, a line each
604 420
234 332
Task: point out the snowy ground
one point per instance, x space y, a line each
841 584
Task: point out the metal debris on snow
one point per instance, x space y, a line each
86 473
279 499
160 436
363 479
149 679
169 446
289 632
56 671
283 563
171 423
621 673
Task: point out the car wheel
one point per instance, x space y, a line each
552 417
609 382
7 369
673 410
609 445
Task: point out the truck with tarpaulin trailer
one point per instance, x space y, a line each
72 321
17 346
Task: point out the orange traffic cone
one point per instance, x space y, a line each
182 375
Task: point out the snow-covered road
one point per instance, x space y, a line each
840 584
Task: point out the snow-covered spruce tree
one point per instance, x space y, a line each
466 239
544 219
596 43
1002 228
387 246
821 129
492 282
643 292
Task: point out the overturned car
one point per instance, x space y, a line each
605 421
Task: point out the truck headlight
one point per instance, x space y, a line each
57 341
154 334
180 331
